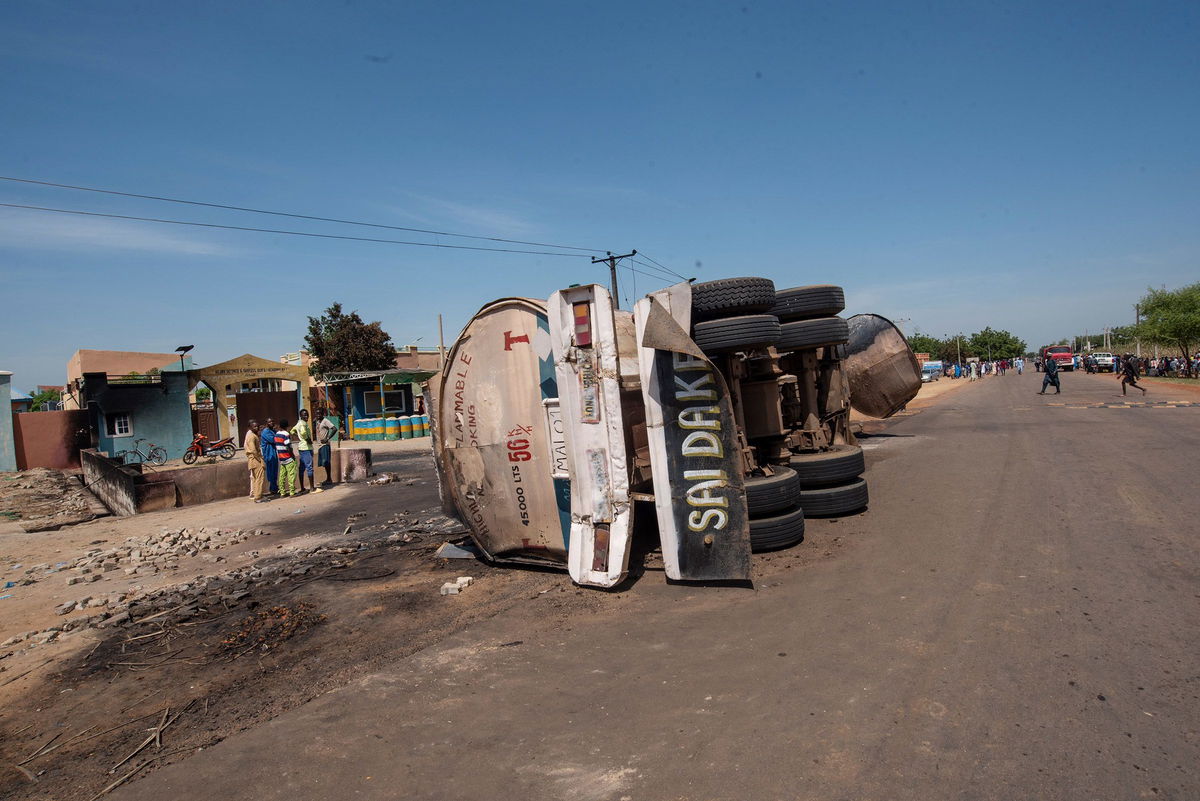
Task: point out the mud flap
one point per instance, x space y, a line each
698 488
584 344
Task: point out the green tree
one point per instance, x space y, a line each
340 343
203 394
923 343
990 344
42 400
1172 318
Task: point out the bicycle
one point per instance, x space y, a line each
155 454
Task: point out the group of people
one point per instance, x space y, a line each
1128 366
281 457
973 371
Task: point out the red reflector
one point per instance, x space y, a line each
583 324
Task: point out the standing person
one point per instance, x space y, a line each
974 369
326 431
256 463
270 457
1051 377
287 460
1020 365
1129 374
302 440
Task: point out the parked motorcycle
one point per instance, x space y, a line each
202 447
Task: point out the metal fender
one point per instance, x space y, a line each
699 494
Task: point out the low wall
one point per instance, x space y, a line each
113 484
50 439
210 482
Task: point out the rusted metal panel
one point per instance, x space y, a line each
883 373
494 434
698 486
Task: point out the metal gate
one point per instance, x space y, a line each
261 405
204 421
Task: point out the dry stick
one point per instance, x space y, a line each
89 653
159 614
158 633
26 673
157 733
140 765
120 726
72 739
135 703
23 728
40 748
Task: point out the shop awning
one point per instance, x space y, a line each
381 376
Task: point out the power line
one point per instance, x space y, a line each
666 275
290 214
657 263
289 233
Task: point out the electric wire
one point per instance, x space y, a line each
666 275
291 233
656 262
290 214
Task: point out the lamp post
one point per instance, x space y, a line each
181 350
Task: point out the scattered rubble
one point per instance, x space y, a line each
45 500
457 586
206 594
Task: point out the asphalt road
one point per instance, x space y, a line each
1015 619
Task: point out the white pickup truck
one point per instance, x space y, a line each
1105 362
716 413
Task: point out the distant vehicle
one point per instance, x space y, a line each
1104 362
1061 354
932 371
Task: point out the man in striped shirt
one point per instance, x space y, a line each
287 460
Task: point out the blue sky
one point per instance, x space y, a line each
1029 166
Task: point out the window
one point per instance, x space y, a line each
118 424
393 402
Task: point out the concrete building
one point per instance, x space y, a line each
115 363
124 408
8 451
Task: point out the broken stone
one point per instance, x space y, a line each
63 609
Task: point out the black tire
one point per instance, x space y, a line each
766 495
842 463
228 451
729 297
806 302
778 531
157 456
833 501
818 333
189 457
736 333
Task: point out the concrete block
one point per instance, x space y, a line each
451 588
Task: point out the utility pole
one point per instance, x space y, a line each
612 260
1137 320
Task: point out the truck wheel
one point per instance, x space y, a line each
842 463
778 531
727 297
736 333
818 333
806 302
833 501
768 494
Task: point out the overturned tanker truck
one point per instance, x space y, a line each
715 416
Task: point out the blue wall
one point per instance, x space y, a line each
161 417
8 448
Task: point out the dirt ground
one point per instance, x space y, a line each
193 666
